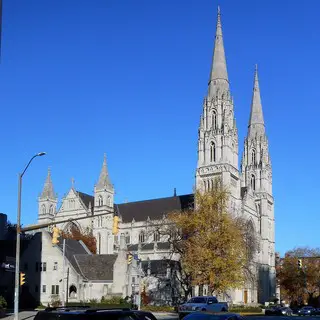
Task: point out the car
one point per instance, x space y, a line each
307 311
87 313
202 303
278 311
213 316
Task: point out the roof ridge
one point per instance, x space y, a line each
154 199
76 260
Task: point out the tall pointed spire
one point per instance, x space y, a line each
104 180
48 192
219 73
256 122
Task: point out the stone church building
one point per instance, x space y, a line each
218 157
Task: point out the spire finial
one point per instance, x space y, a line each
219 74
72 182
256 122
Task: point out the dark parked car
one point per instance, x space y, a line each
87 313
307 311
213 316
278 311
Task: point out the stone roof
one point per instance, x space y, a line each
96 267
159 267
73 247
86 199
141 210
154 209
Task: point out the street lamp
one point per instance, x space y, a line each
17 270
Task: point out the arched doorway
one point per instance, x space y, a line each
72 292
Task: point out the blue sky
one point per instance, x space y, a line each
79 78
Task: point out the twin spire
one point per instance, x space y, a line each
104 181
256 122
219 79
219 73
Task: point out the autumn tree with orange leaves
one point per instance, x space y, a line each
300 284
86 236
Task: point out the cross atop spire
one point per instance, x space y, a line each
219 74
48 192
104 180
256 122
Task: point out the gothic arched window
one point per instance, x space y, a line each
109 201
51 211
253 156
253 182
156 236
43 209
99 243
142 237
212 152
127 238
214 120
100 201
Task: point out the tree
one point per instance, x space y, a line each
213 246
298 284
73 232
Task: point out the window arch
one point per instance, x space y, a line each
51 211
253 182
109 201
142 237
43 209
212 152
100 201
214 120
253 156
99 243
128 238
156 236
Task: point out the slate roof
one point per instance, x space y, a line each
132 247
86 198
159 267
73 247
163 245
96 267
154 209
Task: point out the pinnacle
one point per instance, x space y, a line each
104 180
48 192
219 74
256 122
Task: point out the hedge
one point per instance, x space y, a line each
157 308
245 309
99 305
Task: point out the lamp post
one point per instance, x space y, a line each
17 270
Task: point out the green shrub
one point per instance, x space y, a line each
158 308
107 304
3 302
238 309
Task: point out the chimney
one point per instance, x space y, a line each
174 192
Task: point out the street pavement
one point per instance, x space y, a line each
29 315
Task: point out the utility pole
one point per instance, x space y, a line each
17 269
67 291
63 274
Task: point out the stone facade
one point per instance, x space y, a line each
218 153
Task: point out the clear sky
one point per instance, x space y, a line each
82 77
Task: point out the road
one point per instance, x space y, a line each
29 315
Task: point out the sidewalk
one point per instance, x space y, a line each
23 315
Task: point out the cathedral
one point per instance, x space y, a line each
250 187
